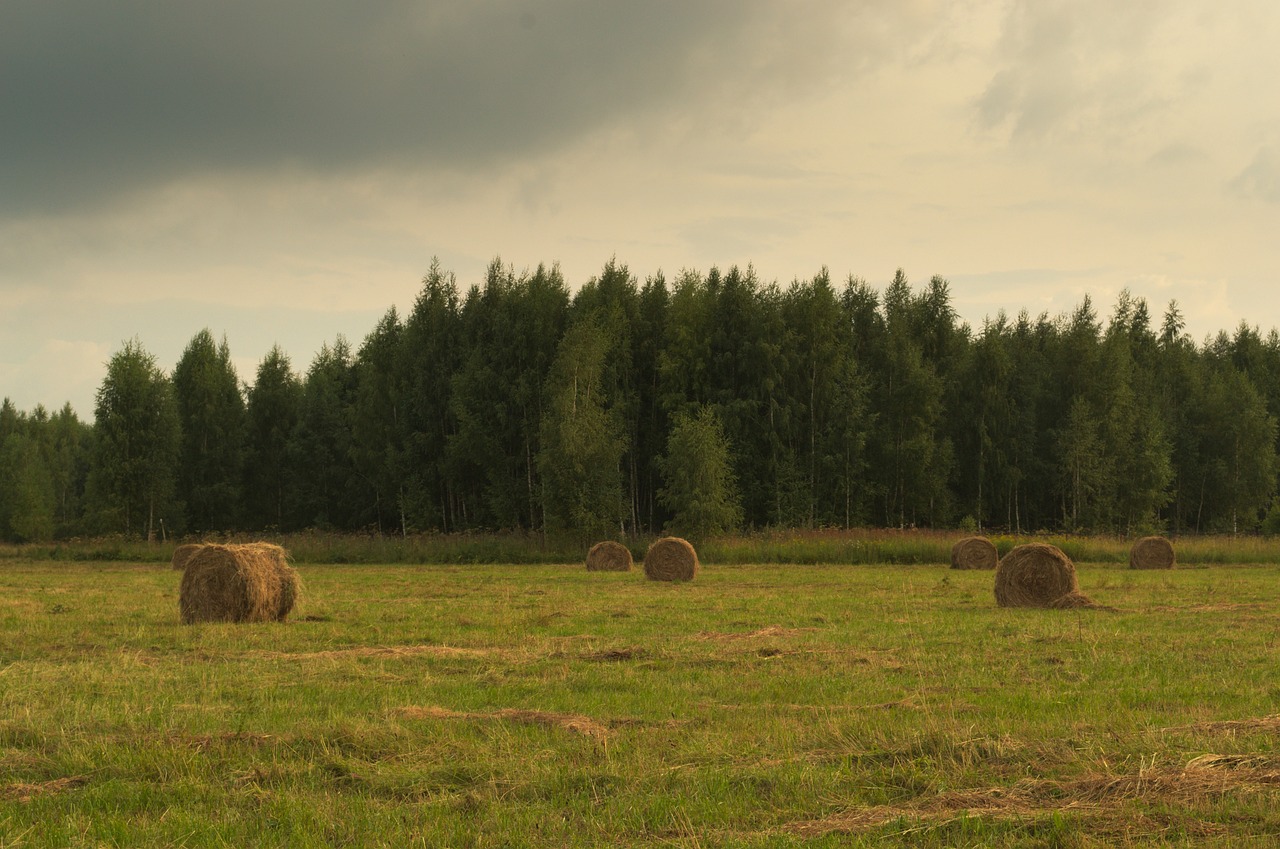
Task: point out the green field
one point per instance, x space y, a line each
541 705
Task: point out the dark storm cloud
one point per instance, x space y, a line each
101 98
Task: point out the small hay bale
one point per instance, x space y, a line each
671 559
609 556
238 583
1152 553
1034 575
183 553
974 553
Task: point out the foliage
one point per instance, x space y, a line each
136 443
211 412
839 407
582 445
699 487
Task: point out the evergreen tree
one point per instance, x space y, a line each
431 353
27 497
211 413
137 438
378 427
320 451
273 409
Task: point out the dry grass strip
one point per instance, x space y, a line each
769 631
1231 726
1207 776
377 651
27 792
576 723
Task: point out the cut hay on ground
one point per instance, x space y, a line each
238 583
671 559
1037 575
183 553
1152 553
974 553
609 556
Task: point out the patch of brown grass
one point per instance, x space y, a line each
1231 726
769 631
575 723
26 792
378 651
1202 778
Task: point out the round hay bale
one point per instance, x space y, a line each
183 553
1034 575
609 556
974 553
1152 553
671 559
237 583
290 582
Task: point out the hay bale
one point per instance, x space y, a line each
1152 553
671 559
183 553
1034 575
974 553
290 582
238 583
609 556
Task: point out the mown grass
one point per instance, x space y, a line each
760 705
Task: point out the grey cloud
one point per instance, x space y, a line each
1081 68
101 98
1261 178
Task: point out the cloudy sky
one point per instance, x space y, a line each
283 171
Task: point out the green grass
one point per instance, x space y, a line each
541 705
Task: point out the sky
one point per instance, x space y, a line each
284 171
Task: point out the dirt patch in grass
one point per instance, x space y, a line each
1102 796
27 792
617 655
575 723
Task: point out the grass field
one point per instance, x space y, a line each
541 705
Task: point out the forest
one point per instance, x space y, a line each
710 403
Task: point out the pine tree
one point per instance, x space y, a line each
211 413
137 438
272 411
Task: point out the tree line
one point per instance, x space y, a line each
709 403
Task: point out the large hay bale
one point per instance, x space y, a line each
238 583
609 556
974 553
290 582
671 559
183 553
1152 553
1034 575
